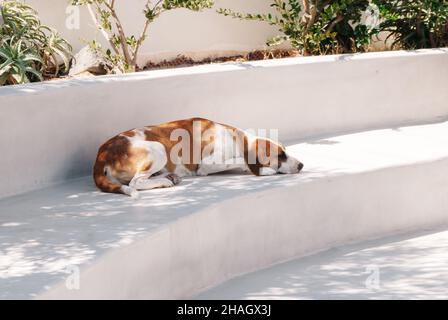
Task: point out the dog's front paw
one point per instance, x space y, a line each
201 172
133 193
174 178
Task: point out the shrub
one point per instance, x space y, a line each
415 24
29 50
124 49
18 64
316 26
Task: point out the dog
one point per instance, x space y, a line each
159 156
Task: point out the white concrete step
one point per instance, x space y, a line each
71 118
173 243
413 266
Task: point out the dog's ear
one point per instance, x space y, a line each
256 154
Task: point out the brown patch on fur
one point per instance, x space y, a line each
130 133
261 150
108 153
122 162
162 133
253 167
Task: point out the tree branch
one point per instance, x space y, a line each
335 22
145 30
103 32
306 11
312 17
122 35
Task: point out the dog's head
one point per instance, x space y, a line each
287 163
267 157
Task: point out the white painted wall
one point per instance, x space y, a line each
50 132
197 35
177 31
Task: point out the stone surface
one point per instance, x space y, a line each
88 61
173 243
410 266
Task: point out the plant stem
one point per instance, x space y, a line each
338 19
143 34
103 32
122 35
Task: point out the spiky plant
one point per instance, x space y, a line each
19 64
22 36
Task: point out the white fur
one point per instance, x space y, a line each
156 151
207 168
143 183
267 171
226 154
291 165
129 191
182 171
157 155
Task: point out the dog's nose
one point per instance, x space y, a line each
300 166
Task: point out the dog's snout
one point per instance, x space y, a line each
300 166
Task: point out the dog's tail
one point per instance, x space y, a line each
102 181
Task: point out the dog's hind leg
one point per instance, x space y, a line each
143 182
209 167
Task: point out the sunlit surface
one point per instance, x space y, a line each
402 267
44 232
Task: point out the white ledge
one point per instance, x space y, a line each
174 243
52 130
218 68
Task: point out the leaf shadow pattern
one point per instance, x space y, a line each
44 232
408 266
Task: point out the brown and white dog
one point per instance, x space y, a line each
158 156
